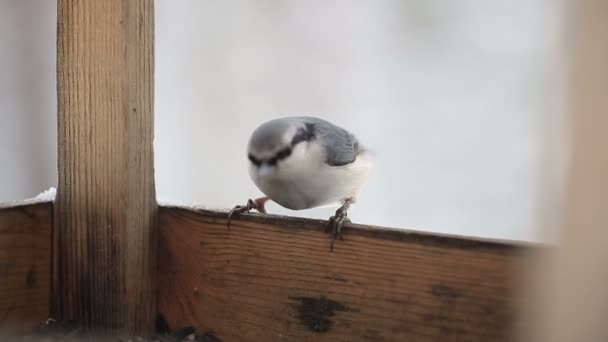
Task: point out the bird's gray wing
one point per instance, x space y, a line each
341 147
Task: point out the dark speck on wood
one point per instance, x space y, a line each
30 279
336 278
316 313
161 324
444 291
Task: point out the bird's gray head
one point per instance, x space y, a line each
275 140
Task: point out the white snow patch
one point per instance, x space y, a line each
47 195
192 206
43 197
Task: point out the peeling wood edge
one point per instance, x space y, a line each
374 232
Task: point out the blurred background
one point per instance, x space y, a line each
462 103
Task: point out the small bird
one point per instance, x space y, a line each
306 162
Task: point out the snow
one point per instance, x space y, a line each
187 205
47 195
43 197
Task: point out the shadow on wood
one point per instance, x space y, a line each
25 265
272 278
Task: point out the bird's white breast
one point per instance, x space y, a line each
304 181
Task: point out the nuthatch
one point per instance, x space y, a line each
306 162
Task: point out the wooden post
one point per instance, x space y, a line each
106 241
568 299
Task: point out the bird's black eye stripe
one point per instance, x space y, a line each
284 153
254 160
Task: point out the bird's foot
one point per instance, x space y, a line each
336 223
257 204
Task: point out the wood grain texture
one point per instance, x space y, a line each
25 265
274 279
106 206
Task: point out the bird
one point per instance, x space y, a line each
304 162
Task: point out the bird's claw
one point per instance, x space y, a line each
257 204
335 224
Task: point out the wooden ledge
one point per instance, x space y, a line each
273 278
26 231
374 232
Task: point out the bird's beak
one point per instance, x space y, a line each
265 170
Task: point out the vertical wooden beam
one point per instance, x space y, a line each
106 210
568 299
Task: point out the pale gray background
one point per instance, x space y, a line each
462 102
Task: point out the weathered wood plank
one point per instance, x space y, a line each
270 279
106 204
25 265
